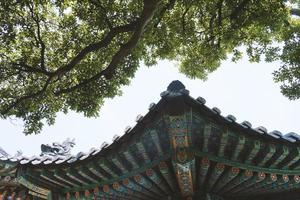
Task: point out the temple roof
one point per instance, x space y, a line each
176 88
179 149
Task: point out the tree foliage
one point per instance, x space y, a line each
70 55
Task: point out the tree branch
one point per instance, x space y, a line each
39 37
94 47
146 16
167 7
26 68
22 66
29 96
183 18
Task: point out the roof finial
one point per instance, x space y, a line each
175 88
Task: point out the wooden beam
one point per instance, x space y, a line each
223 143
84 171
253 152
168 175
61 176
204 166
257 178
238 182
283 155
155 178
238 148
229 175
206 134
50 177
271 149
215 175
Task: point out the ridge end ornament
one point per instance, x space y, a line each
175 88
58 149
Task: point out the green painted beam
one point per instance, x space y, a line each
129 193
36 177
229 175
223 143
260 178
271 149
130 159
156 141
105 166
135 187
61 176
283 155
254 151
141 149
84 171
111 193
144 182
281 180
96 171
216 173
130 174
270 180
168 175
238 148
293 160
50 177
294 183
245 166
116 161
206 135
75 176
155 178
236 183
204 166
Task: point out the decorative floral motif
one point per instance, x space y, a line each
106 188
285 178
261 175
248 173
76 195
297 179
205 161
273 177
183 163
68 196
235 170
86 193
149 172
125 181
96 190
116 186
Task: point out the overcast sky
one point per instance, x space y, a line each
243 89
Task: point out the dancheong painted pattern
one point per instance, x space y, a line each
180 149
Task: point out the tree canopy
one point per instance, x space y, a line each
57 56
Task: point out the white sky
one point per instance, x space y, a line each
243 89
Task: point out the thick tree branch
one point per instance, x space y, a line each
167 7
183 18
88 49
25 97
95 46
22 66
36 19
108 72
26 68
